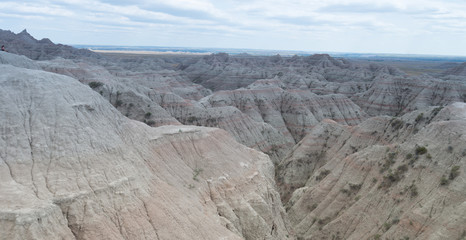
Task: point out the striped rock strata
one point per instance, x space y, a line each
73 167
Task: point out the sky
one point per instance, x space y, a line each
359 26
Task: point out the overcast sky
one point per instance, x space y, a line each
377 26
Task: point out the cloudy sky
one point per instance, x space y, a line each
377 26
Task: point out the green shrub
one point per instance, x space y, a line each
312 207
454 172
413 190
196 173
443 180
396 123
355 187
118 103
436 111
147 115
387 226
419 117
322 174
421 150
191 119
95 84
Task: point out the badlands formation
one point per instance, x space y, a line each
222 146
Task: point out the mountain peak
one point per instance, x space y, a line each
24 32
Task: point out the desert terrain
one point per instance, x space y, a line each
175 145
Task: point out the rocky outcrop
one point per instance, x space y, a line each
73 167
17 61
165 97
224 72
385 178
398 95
459 70
293 112
24 44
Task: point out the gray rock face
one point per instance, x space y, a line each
73 167
17 61
292 111
397 95
224 72
385 178
456 71
24 44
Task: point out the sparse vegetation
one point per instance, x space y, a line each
147 115
387 226
449 149
118 103
413 190
419 117
392 155
322 174
443 180
312 207
196 173
393 177
454 172
95 84
421 150
150 122
389 161
436 111
396 123
323 221
191 119
355 187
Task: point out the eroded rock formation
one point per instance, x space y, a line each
385 178
360 151
73 167
25 44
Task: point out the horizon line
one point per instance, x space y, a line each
377 54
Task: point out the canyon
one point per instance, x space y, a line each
137 146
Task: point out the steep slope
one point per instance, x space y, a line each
385 178
388 95
165 97
73 167
293 112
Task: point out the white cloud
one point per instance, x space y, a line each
35 8
303 24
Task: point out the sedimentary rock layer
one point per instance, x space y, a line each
73 167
